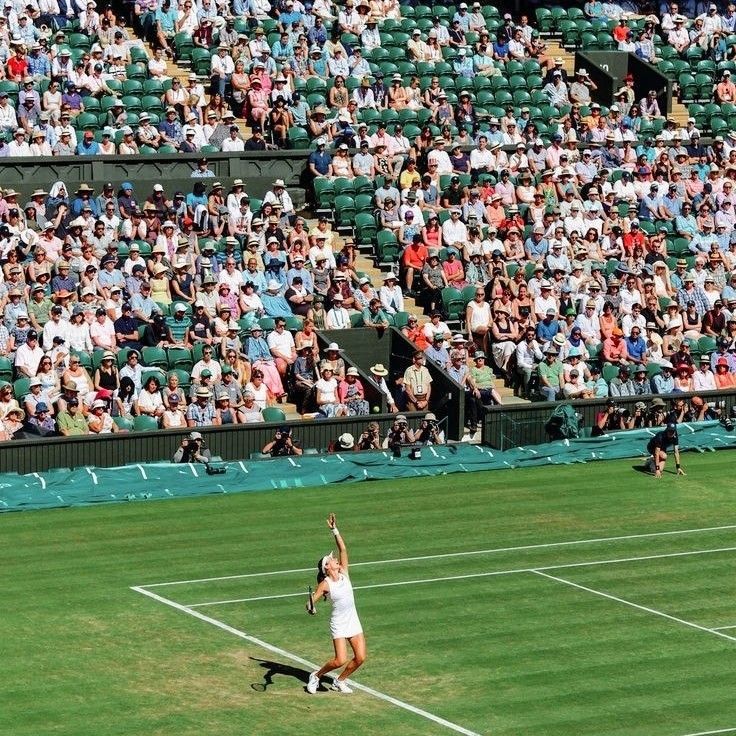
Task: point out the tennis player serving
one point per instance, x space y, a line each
333 580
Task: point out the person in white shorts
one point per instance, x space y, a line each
333 581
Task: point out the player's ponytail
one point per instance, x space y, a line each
320 573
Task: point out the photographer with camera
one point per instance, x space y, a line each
370 439
429 432
399 434
613 419
282 444
192 450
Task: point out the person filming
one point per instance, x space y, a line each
193 450
429 432
399 434
282 444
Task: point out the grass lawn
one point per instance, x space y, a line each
555 639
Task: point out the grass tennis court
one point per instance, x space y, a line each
569 600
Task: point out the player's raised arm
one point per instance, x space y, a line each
341 548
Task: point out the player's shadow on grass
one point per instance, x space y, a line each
277 668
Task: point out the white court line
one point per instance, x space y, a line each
447 555
635 605
304 662
712 733
472 575
723 628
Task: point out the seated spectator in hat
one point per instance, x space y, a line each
274 302
683 378
724 378
704 379
351 394
664 381
327 398
437 352
714 320
622 384
41 422
551 374
99 420
575 387
548 326
71 422
28 353
201 412
262 360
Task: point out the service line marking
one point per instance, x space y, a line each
646 609
712 733
304 662
469 576
448 555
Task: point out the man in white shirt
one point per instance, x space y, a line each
349 19
438 155
481 159
234 142
278 195
545 302
55 327
281 344
575 221
338 65
28 356
222 67
19 146
8 120
454 230
588 322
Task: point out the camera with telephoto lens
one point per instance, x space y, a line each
727 421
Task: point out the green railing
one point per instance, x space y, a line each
258 168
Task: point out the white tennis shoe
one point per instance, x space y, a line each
341 686
313 683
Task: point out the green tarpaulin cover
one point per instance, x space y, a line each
86 486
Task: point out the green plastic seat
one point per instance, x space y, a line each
144 423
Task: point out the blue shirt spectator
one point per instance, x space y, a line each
320 160
663 383
547 329
636 346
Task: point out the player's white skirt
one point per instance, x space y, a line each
346 626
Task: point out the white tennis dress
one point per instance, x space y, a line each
344 621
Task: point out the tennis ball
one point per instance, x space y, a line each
376 409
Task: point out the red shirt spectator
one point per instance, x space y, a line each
414 256
17 66
633 238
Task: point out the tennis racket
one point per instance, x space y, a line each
310 603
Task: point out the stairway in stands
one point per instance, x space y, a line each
678 111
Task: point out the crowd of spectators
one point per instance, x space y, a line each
594 262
